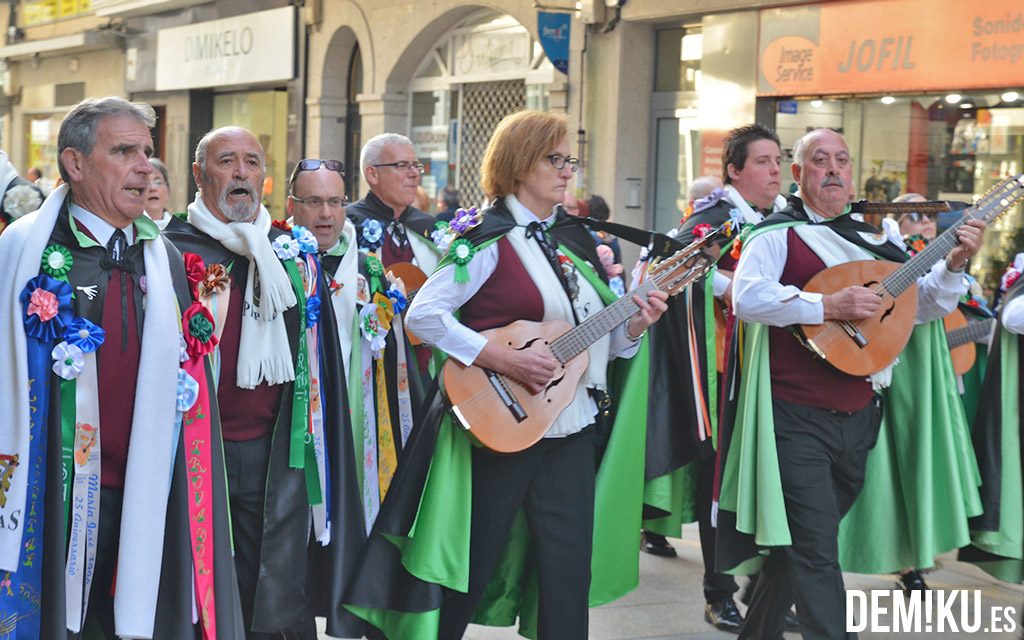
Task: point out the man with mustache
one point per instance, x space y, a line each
281 392
814 437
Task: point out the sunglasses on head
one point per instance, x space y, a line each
313 164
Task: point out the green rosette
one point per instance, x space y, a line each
57 262
461 252
375 269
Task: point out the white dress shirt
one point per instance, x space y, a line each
98 227
758 296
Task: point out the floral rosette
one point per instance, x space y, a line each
286 247
197 327
385 311
569 271
68 360
375 270
915 244
703 203
195 271
465 219
370 328
437 236
47 305
461 251
305 238
398 300
56 261
84 334
701 230
735 222
372 235
187 391
216 280
312 311
282 225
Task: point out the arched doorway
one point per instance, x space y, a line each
481 70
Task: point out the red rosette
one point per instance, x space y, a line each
282 225
195 271
701 230
198 327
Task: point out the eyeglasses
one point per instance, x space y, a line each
914 216
316 201
558 161
313 164
157 183
402 165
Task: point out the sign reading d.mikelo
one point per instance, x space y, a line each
251 48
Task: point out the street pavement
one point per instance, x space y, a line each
669 603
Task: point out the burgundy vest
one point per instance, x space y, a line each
390 253
797 375
246 414
508 295
118 373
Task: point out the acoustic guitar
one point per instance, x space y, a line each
863 347
500 413
961 336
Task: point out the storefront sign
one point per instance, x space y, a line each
554 37
879 45
251 48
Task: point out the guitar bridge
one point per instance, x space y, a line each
507 397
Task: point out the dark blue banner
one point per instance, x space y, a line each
554 37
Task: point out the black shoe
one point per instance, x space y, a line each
791 621
656 545
912 581
724 615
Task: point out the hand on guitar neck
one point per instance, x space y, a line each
969 236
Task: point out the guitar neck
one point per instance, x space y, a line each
977 331
996 201
575 341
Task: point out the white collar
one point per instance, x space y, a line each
523 215
98 227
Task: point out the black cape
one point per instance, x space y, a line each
373 208
298 577
174 603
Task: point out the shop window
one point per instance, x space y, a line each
945 147
265 113
40 11
677 59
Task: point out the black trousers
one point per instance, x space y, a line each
553 481
101 599
246 467
717 586
822 456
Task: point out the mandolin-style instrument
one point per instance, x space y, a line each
413 278
500 413
961 334
864 347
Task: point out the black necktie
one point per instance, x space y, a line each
117 249
538 231
397 232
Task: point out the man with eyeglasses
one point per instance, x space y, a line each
387 224
386 420
281 394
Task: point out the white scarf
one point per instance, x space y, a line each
153 442
267 356
749 215
344 299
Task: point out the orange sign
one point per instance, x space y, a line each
891 45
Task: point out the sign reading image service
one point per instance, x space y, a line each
251 48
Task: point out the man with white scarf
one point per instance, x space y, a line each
280 389
96 448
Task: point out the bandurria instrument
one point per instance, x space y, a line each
960 334
501 413
864 347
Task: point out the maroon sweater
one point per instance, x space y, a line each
246 414
797 375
